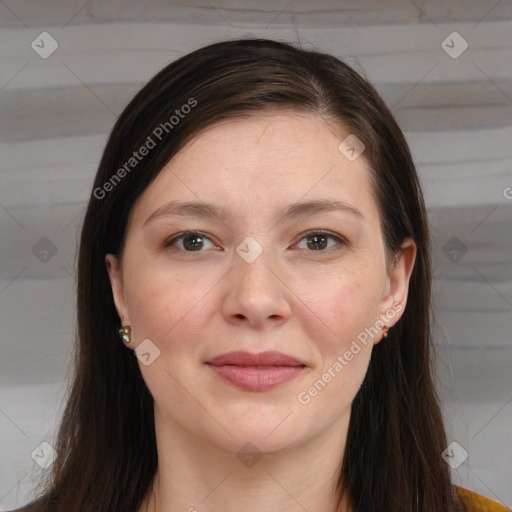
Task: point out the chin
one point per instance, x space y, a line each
268 436
249 441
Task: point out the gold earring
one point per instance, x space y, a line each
385 333
125 333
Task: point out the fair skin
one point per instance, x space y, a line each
293 298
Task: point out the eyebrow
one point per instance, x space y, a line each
210 211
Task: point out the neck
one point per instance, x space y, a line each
195 476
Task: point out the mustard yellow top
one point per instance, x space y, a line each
477 503
473 502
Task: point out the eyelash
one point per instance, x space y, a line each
175 238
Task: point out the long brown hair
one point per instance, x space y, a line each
107 456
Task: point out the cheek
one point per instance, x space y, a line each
163 306
344 312
342 306
168 312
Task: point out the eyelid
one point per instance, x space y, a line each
182 234
324 232
329 234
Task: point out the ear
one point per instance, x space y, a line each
115 275
397 283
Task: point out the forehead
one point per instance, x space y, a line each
263 161
287 134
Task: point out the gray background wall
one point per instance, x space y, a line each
454 104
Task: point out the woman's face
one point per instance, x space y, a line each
259 277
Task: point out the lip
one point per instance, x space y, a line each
267 358
256 372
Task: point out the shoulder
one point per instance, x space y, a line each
472 501
477 503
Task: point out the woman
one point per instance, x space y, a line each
257 234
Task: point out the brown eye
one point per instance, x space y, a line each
318 240
190 241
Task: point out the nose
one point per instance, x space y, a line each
256 293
